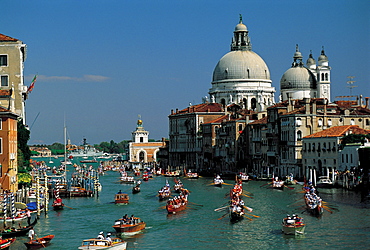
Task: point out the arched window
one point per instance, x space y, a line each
330 122
326 77
322 77
319 123
352 122
141 156
223 102
299 135
253 103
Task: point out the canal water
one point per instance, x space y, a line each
200 227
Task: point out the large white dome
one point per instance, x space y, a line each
241 65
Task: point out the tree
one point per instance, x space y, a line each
24 153
354 138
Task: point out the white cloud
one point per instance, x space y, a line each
84 78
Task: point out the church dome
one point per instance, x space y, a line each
240 27
241 65
298 78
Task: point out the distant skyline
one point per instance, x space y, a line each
101 64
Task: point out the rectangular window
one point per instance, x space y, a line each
1 123
4 81
1 145
3 60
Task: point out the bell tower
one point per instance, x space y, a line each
140 135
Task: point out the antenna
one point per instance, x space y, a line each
350 83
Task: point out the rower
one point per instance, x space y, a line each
101 236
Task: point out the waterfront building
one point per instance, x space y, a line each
241 76
290 121
43 151
8 150
185 133
12 57
322 156
141 150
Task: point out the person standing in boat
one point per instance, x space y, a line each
28 214
31 234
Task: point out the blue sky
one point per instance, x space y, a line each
103 63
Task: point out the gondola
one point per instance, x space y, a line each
5 243
18 231
58 204
39 242
136 189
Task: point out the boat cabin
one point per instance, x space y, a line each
121 198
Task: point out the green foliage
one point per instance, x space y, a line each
112 147
354 138
24 153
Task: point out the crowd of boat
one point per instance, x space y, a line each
84 182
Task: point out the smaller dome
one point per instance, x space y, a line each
323 57
298 78
310 60
240 27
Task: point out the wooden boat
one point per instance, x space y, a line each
79 192
218 181
127 179
178 186
136 189
175 173
191 175
313 204
58 204
145 177
15 232
129 228
293 225
39 242
121 198
92 244
324 182
177 204
5 243
243 177
235 215
164 193
277 184
137 172
17 218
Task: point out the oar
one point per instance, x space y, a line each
195 204
254 215
227 184
222 216
69 207
247 192
248 196
220 208
248 208
327 209
266 184
289 187
247 217
38 239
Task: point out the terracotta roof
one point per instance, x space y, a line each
260 121
204 107
7 38
339 131
218 120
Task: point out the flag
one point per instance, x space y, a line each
30 88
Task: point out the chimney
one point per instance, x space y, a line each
307 105
290 107
360 102
177 110
171 111
367 102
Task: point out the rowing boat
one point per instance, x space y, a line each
94 244
39 242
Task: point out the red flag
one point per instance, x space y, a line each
30 88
